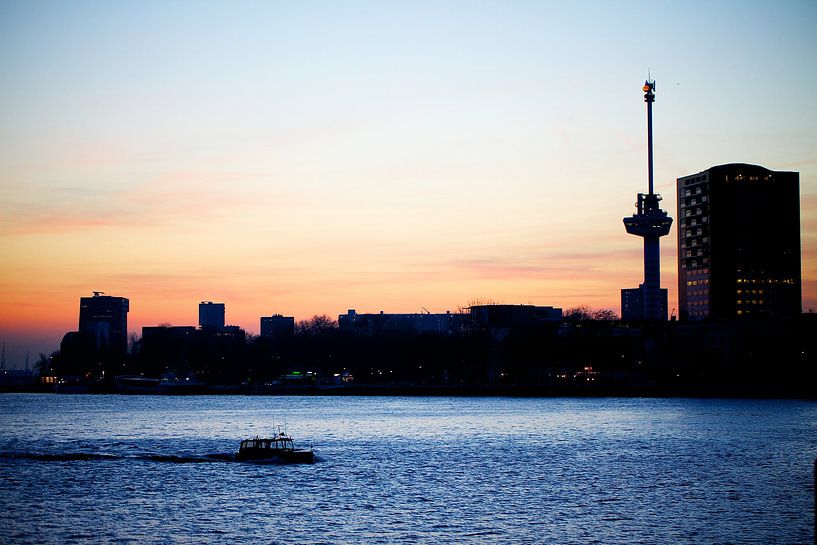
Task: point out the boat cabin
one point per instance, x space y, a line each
279 447
277 443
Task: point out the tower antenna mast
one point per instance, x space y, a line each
649 98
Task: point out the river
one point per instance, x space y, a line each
158 469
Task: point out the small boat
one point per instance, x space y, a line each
174 384
136 384
278 448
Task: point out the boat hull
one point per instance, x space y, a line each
136 384
282 457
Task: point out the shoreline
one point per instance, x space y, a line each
702 391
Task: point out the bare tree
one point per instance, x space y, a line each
584 313
315 325
605 315
578 314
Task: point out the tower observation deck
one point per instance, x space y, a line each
648 302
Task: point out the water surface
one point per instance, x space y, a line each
151 469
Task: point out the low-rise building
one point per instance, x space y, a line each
380 323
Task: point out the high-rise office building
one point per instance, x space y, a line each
105 319
739 243
211 315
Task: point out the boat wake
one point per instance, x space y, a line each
91 456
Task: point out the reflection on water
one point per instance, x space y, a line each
146 469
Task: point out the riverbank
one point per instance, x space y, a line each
389 390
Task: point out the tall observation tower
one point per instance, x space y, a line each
647 302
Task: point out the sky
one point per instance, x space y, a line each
307 157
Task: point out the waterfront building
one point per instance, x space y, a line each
739 243
105 319
211 315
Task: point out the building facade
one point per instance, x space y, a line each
168 346
513 316
105 319
277 326
381 323
632 303
211 315
739 243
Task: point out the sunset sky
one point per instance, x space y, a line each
310 157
